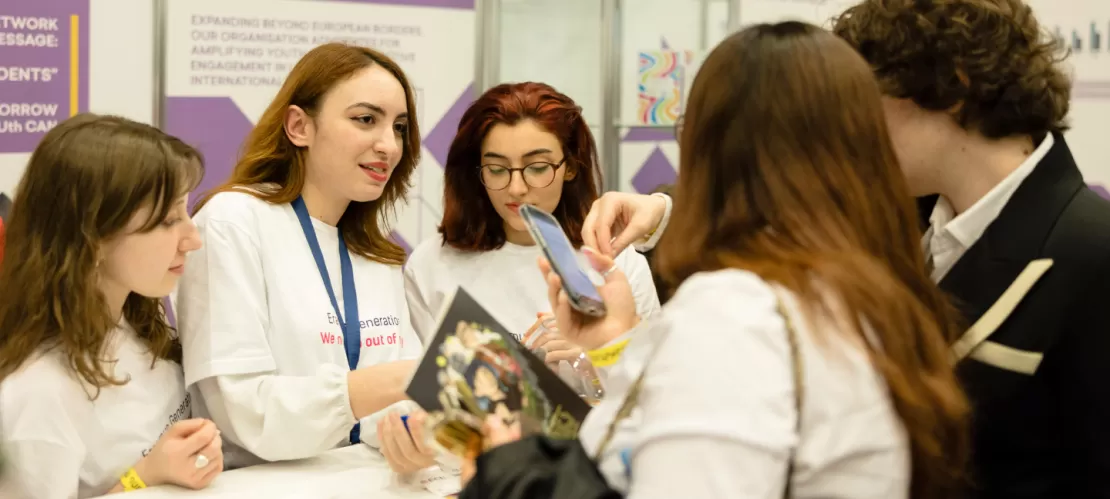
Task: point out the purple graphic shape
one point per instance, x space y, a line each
1100 190
444 4
396 237
34 95
657 170
170 317
648 134
438 141
216 127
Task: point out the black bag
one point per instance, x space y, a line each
538 467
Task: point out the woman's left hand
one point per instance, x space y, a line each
494 434
556 347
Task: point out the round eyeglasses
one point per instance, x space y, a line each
537 175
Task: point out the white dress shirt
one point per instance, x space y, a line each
949 235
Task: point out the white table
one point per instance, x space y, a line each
347 473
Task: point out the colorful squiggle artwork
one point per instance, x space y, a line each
662 85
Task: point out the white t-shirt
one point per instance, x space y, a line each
716 414
506 281
253 312
59 444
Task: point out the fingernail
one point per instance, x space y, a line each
587 249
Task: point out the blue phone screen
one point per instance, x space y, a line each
565 258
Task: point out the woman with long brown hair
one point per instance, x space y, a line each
91 393
293 316
804 351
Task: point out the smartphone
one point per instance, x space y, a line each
547 233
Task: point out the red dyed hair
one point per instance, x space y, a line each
470 222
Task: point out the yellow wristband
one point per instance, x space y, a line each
607 356
131 481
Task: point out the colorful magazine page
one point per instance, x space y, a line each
474 368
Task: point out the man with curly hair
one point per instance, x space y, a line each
976 101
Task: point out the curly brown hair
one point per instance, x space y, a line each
988 60
85 181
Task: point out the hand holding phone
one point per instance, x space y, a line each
586 331
547 233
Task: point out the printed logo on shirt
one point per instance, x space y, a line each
329 338
184 411
385 320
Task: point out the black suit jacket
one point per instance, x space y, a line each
1044 434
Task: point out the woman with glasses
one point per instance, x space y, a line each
521 143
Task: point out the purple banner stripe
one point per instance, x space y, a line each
648 134
396 237
438 141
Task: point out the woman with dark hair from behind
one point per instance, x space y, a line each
91 393
804 354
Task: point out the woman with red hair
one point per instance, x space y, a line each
520 143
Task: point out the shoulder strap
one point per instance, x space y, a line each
799 387
633 396
631 399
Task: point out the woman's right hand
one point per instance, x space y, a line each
175 456
617 219
620 304
403 446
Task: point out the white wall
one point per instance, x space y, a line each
558 42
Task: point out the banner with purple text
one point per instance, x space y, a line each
44 77
225 61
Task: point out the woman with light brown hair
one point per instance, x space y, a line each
803 354
293 317
91 393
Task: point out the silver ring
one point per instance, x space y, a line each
202 461
608 271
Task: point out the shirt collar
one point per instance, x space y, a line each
969 226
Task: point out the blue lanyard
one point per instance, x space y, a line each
348 320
